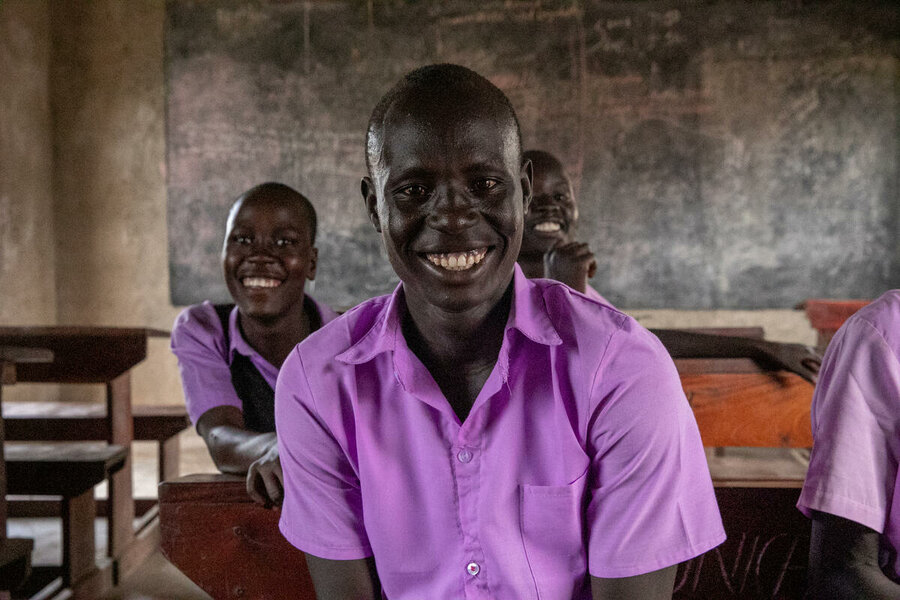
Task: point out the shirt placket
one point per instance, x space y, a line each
468 460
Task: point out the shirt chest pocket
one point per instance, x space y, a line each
553 538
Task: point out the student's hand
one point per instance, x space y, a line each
571 263
265 481
797 358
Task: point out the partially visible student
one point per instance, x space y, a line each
852 488
229 355
550 249
477 434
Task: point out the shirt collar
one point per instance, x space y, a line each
528 314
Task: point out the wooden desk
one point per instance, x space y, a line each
102 355
225 543
827 316
15 555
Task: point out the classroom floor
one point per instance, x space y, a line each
157 579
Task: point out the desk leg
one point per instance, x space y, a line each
121 497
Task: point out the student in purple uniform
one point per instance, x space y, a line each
852 488
551 250
478 434
229 355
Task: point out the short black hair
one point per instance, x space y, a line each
285 192
544 157
435 81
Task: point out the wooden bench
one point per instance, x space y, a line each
64 421
15 553
70 470
100 355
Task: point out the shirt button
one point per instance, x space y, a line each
473 569
464 456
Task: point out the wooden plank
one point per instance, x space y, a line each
81 354
121 499
59 468
226 544
66 421
751 409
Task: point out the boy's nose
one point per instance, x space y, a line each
452 211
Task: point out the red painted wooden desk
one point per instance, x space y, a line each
827 316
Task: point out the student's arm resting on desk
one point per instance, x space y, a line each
652 503
214 407
844 561
796 358
322 512
237 450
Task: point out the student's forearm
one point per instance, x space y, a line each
861 582
687 344
843 561
234 449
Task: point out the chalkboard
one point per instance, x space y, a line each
726 154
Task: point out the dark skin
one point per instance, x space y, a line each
550 249
267 258
450 185
843 561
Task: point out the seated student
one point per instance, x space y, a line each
550 249
852 488
478 434
229 355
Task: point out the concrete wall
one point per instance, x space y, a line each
27 259
109 180
27 266
82 181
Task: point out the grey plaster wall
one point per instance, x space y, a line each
727 154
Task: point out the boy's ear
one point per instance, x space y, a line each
367 187
527 177
313 263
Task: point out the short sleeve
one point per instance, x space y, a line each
856 429
198 342
652 503
322 509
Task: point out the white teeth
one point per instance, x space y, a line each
260 282
547 226
458 261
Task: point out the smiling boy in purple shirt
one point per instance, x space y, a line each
476 434
229 355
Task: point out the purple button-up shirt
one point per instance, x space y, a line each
204 359
853 469
579 454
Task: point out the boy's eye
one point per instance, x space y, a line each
485 185
414 191
241 239
285 242
561 198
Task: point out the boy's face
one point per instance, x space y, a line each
448 197
553 211
268 256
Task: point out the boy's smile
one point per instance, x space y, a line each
448 200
